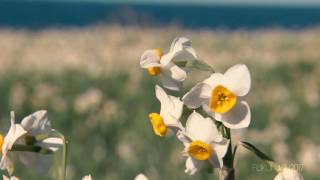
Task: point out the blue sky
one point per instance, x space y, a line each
256 2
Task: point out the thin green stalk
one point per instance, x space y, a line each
64 159
228 160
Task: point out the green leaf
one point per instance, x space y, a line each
200 65
256 151
261 155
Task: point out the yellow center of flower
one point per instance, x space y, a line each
200 150
158 125
1 142
153 71
222 100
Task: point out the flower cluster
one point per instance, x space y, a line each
217 106
32 142
220 96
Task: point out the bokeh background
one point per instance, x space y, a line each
80 61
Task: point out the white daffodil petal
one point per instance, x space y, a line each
37 123
88 177
216 161
52 143
220 148
177 110
206 108
239 117
180 50
200 128
15 132
163 98
288 174
214 80
238 80
7 164
150 58
181 135
40 163
9 178
188 54
141 177
192 166
166 58
174 72
197 95
170 83
179 43
3 163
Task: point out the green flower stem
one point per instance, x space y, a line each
228 160
30 148
64 158
227 171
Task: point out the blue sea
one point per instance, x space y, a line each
37 15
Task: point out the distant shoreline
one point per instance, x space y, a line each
38 15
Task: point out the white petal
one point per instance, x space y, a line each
214 80
289 174
181 135
239 117
37 123
177 109
170 83
141 177
172 111
182 49
40 163
52 143
192 166
15 132
197 95
238 79
174 72
199 128
206 108
220 148
150 58
188 54
216 161
6 163
88 177
163 97
9 178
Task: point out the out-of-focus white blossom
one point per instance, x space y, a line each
141 177
88 177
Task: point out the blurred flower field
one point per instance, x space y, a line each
90 82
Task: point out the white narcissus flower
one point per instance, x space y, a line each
15 132
38 125
167 122
169 67
9 178
221 97
203 143
88 177
141 177
288 174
